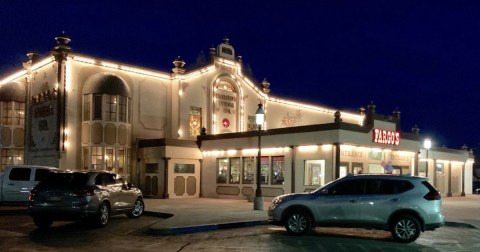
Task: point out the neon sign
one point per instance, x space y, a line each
386 136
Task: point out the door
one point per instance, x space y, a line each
18 185
154 181
341 205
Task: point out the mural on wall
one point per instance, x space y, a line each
292 119
44 120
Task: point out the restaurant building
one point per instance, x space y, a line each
192 133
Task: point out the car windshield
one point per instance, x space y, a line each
64 180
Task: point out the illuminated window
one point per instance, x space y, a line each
248 170
278 170
110 108
86 107
234 171
10 156
439 167
97 158
264 170
12 113
314 173
109 158
222 169
121 160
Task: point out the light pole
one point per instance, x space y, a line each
259 119
427 144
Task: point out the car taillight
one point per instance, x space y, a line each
432 195
85 192
31 195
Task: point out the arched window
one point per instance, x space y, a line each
106 97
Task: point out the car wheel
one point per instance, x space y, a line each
298 222
103 215
406 229
42 222
138 208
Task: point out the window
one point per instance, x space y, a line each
18 113
109 158
439 167
348 187
20 174
314 172
264 170
11 156
40 174
234 170
122 109
86 107
387 186
151 168
121 160
97 107
184 168
110 108
97 158
222 168
248 170
86 156
278 170
12 113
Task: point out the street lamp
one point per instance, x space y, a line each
259 119
427 144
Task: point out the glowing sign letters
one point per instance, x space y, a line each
386 136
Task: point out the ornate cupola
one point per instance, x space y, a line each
225 50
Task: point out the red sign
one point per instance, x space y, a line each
386 136
225 122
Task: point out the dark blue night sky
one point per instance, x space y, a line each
420 56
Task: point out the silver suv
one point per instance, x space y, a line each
403 205
95 196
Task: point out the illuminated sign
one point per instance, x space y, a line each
386 136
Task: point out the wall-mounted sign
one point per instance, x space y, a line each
386 137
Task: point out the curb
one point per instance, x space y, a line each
459 224
203 228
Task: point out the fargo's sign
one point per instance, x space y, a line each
386 136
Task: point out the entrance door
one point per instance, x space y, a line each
186 178
154 181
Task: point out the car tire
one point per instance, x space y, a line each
138 209
298 222
405 228
42 222
103 215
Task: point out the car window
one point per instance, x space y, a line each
40 174
64 180
387 186
348 187
105 179
20 174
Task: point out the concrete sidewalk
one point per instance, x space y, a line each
205 214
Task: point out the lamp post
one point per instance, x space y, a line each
427 144
259 119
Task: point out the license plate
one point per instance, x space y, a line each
54 198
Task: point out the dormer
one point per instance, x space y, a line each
225 50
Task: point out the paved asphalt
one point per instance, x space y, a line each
204 214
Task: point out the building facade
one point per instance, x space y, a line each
192 133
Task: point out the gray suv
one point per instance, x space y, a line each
403 205
92 195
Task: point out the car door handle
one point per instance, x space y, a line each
353 201
394 199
